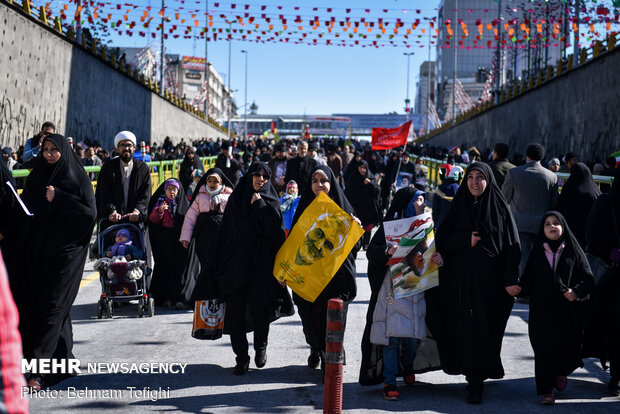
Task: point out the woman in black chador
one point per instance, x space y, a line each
557 274
167 208
479 243
190 163
362 192
576 200
243 255
602 335
314 314
60 195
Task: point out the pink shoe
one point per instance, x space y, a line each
548 399
561 382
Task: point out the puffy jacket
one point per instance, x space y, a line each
202 204
402 318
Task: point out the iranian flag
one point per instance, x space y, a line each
616 155
388 138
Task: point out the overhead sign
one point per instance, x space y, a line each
193 62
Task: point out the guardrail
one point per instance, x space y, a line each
95 48
160 171
433 181
515 88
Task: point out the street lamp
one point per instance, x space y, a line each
229 92
245 113
407 101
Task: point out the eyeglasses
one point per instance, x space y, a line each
125 145
263 176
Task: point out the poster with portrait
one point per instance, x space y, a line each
404 179
316 247
410 266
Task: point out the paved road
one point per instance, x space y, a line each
285 384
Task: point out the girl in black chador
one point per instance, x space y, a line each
60 195
556 276
468 312
242 256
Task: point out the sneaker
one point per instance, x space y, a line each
613 388
561 382
390 393
409 379
314 359
548 399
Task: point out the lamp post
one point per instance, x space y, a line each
245 104
161 57
407 101
207 59
229 91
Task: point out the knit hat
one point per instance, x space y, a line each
7 150
124 136
123 233
535 152
172 182
290 184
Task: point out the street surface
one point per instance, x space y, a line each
285 384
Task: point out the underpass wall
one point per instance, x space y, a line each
46 77
577 111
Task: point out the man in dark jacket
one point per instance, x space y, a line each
500 164
229 165
300 167
124 185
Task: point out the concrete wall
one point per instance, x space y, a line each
578 111
44 77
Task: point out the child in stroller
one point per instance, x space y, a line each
122 271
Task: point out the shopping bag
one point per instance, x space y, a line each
317 246
208 319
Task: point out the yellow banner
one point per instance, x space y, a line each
316 248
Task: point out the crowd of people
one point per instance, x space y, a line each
503 231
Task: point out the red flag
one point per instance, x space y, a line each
388 138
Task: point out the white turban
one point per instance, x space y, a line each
124 136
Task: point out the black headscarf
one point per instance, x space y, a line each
364 197
352 167
67 176
489 215
577 198
335 193
242 195
203 181
187 167
602 237
181 207
399 203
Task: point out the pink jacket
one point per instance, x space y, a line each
202 204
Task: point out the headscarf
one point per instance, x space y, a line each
399 203
577 198
68 176
410 210
242 194
568 239
489 214
335 193
214 195
178 206
288 199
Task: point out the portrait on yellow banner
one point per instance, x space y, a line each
316 248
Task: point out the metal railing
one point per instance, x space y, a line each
160 171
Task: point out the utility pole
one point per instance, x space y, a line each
207 59
576 51
229 91
161 57
245 114
498 75
407 101
456 47
428 97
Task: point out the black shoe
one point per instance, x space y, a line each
474 392
260 358
613 388
242 367
314 359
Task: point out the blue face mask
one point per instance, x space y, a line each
410 210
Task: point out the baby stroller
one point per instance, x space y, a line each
122 281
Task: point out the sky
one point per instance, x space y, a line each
303 79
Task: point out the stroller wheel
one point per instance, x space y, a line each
99 310
109 309
141 308
151 306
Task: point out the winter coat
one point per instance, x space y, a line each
202 204
402 318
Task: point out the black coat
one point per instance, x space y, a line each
298 169
186 169
57 240
364 197
231 171
555 324
110 195
469 310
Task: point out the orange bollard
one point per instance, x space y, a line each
332 391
